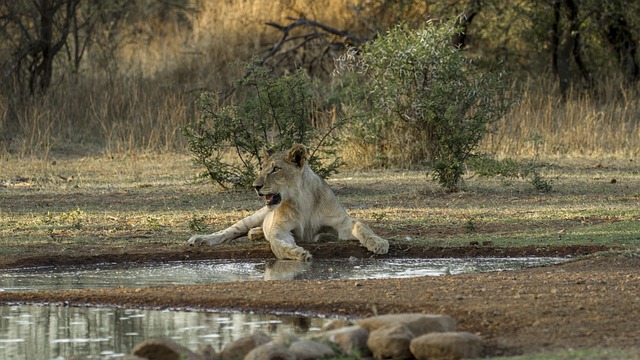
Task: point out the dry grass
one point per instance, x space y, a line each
602 123
139 104
223 33
121 117
109 202
136 95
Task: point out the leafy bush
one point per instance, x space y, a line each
276 113
488 166
415 86
533 167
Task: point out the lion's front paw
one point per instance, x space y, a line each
256 234
199 240
294 252
303 254
297 253
196 240
378 245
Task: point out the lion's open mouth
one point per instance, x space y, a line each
272 199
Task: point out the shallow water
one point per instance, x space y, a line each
215 271
52 332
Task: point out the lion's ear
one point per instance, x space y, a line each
297 155
265 153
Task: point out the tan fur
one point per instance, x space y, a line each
307 209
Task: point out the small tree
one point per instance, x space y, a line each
276 113
419 80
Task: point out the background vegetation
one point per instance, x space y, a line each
119 79
276 113
83 77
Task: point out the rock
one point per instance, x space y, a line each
163 349
336 324
207 352
238 349
391 342
309 349
270 351
447 345
419 324
350 339
285 339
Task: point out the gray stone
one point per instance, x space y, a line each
391 342
285 339
350 339
309 349
207 352
336 324
447 345
270 351
240 348
419 324
163 349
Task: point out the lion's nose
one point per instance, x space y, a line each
258 187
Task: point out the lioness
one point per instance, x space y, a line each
300 207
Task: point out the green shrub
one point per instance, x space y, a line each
418 89
488 166
275 112
532 168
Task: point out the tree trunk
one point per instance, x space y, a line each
45 47
44 71
626 47
565 46
555 37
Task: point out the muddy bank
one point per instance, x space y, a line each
149 254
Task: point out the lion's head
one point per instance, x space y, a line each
281 172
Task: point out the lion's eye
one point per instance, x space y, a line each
275 169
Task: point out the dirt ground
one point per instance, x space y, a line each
593 302
133 210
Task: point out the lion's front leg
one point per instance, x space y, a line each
353 228
235 231
284 251
284 247
213 239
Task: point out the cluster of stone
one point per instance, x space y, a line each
393 336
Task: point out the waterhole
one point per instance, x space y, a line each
216 271
57 332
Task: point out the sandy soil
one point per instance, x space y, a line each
593 302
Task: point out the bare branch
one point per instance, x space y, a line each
329 29
286 29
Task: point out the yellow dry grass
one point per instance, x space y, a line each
140 105
603 123
225 32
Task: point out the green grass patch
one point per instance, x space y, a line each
584 354
104 203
